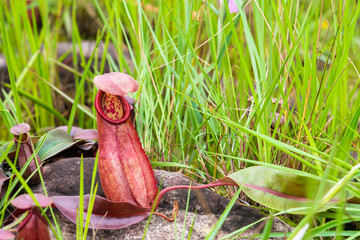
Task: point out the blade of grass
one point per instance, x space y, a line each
220 222
82 81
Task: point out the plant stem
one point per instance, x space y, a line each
162 192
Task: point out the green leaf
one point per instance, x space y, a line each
3 148
349 136
281 190
56 141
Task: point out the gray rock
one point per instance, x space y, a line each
205 207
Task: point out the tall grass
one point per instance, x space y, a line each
274 84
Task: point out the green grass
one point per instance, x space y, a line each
197 65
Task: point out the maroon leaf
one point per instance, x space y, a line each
56 141
87 145
86 134
77 131
82 134
106 214
24 201
3 178
6 235
131 101
73 131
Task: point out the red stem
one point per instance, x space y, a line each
162 192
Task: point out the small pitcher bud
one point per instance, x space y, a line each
34 226
22 138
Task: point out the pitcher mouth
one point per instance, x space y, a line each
125 104
24 138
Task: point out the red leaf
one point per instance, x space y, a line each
3 178
24 201
87 134
131 101
79 133
106 214
6 235
73 131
